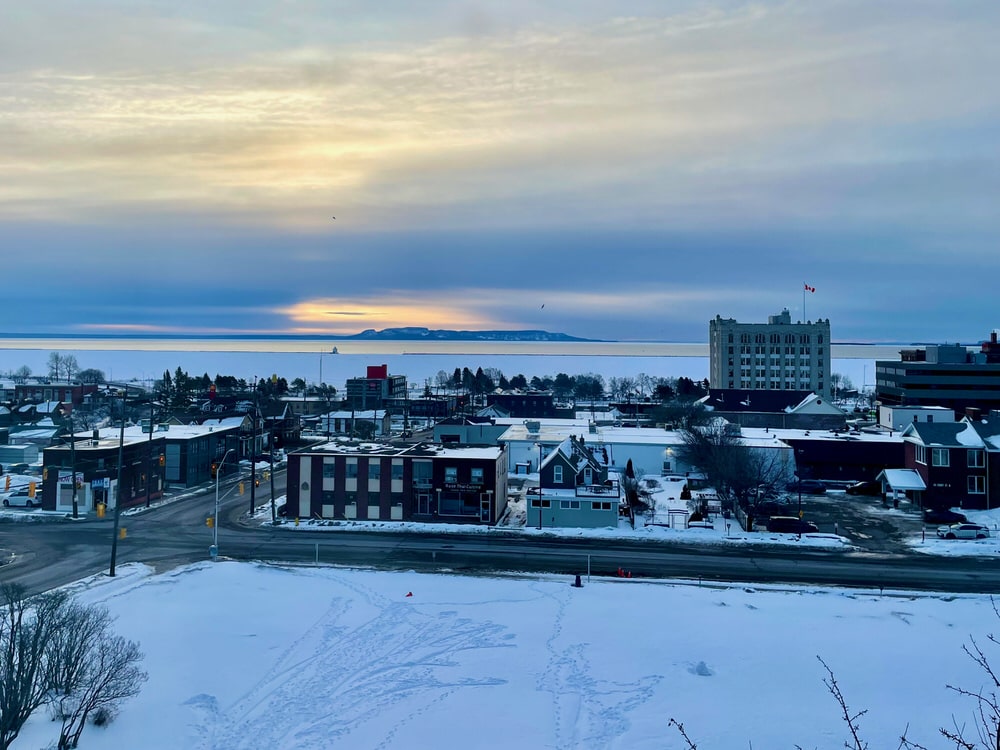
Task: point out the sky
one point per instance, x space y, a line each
617 171
254 655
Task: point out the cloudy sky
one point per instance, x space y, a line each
635 167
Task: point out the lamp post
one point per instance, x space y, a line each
214 551
72 462
118 488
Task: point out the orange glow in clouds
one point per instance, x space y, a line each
343 317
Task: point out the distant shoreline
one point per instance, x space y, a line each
375 347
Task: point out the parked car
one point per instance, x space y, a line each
963 531
870 489
943 517
19 498
790 525
772 508
807 486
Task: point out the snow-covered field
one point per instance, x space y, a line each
260 656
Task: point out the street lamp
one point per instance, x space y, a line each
118 489
214 551
72 461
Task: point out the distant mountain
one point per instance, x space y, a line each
416 333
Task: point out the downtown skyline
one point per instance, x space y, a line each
617 172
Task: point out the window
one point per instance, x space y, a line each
374 469
977 485
535 503
397 470
557 474
602 505
569 505
976 459
352 468
920 454
451 474
477 476
939 457
329 469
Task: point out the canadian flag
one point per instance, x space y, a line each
810 288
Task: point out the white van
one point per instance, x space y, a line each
20 499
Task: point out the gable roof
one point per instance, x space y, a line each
740 400
944 434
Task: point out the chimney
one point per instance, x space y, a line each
96 438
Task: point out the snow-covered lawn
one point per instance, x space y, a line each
261 656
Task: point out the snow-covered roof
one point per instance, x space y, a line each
902 479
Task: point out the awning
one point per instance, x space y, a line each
902 479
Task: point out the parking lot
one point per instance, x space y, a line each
864 520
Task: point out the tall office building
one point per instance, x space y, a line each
777 356
949 375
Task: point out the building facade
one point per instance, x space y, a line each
948 375
375 390
777 355
398 482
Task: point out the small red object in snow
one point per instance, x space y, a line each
409 593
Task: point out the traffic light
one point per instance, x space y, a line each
163 460
45 474
215 470
31 490
210 521
242 485
6 485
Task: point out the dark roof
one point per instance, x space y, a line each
737 400
939 433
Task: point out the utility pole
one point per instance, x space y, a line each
253 450
149 456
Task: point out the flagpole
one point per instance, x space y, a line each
803 303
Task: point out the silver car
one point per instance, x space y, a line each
963 531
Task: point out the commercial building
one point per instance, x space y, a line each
948 375
424 482
375 390
777 355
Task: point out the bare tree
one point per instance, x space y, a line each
27 628
55 364
70 366
740 474
22 373
106 675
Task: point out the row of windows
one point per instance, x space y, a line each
375 471
974 458
572 504
776 338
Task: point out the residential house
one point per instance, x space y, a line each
574 490
951 460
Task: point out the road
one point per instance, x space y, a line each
54 553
